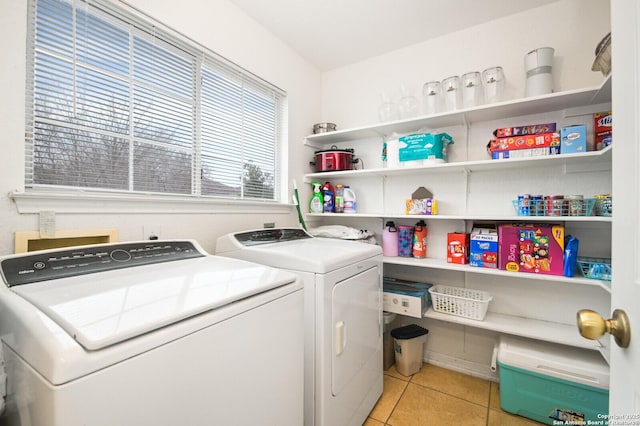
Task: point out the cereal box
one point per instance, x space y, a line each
458 248
534 248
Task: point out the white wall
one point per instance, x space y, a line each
572 27
350 98
216 24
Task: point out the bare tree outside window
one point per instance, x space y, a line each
118 106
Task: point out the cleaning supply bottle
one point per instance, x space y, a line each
328 197
384 154
339 202
349 200
315 204
390 239
420 240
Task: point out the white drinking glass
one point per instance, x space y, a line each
408 107
471 83
388 110
450 89
431 97
493 82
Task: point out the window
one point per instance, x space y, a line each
118 103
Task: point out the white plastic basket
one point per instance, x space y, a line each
460 301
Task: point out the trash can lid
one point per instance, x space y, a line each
408 332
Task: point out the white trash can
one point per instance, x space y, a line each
409 344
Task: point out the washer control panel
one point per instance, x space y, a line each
50 265
266 236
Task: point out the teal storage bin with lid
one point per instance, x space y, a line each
551 383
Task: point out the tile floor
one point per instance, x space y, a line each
437 396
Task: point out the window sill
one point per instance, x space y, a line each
83 202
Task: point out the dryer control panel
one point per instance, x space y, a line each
265 236
50 265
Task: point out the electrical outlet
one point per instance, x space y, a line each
151 232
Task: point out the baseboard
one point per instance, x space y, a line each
460 365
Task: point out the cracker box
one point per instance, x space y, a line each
533 248
573 139
602 129
458 248
405 297
524 142
483 248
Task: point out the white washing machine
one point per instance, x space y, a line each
343 316
149 333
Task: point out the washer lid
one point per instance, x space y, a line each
101 309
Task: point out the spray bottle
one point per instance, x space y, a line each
316 204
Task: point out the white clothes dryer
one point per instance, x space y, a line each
343 316
149 333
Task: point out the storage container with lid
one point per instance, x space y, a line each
550 383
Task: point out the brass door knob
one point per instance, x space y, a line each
593 326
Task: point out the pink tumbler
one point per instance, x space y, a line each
390 239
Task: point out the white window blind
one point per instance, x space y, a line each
119 103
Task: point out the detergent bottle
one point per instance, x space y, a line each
349 200
315 204
329 198
339 200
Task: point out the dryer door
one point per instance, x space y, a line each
357 338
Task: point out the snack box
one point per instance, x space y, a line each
458 248
421 206
483 248
531 129
405 297
533 248
573 139
524 142
525 153
602 129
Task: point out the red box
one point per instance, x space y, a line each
534 248
524 142
602 129
458 248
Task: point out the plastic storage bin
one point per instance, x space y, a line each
551 383
461 302
408 344
388 353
